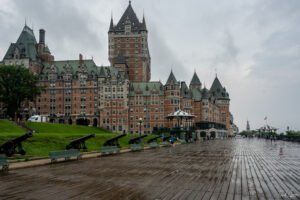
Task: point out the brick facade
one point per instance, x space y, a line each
118 96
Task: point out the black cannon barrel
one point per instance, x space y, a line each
14 146
166 138
113 141
84 138
22 137
79 143
136 139
153 139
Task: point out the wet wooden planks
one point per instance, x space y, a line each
218 169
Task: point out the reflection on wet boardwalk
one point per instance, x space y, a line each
220 169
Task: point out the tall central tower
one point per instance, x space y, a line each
128 43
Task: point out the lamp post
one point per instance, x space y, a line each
140 123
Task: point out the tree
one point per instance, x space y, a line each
17 84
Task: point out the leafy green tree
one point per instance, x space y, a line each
17 84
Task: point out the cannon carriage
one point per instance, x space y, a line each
14 146
79 143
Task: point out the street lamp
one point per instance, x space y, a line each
140 123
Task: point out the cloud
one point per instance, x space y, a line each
254 45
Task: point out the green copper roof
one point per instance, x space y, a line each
47 50
71 66
25 46
146 88
196 94
110 72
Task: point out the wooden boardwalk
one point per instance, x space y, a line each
219 169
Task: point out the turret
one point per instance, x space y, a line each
42 36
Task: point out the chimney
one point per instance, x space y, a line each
80 59
42 36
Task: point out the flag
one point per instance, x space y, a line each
265 118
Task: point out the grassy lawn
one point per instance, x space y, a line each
9 128
52 137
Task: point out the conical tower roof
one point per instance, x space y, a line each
111 26
195 80
171 79
218 91
216 85
129 16
205 93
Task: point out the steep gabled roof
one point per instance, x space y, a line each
25 45
171 79
184 90
205 93
218 91
195 80
129 16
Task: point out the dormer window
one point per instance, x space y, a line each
127 27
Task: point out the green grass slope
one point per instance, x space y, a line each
53 137
9 128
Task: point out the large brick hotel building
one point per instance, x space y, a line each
117 97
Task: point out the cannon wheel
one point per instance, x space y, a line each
5 169
22 152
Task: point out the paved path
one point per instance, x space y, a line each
220 169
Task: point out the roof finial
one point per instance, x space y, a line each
129 2
216 72
25 21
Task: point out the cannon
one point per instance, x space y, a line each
166 139
113 141
153 139
79 143
14 146
136 140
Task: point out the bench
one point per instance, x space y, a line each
165 144
182 141
153 145
3 163
106 150
136 147
65 154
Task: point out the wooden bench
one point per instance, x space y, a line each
165 144
65 155
153 145
3 163
107 150
182 141
136 147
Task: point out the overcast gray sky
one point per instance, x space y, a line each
253 45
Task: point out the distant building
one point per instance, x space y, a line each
115 97
248 126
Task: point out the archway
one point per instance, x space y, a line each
213 134
203 134
95 122
70 121
82 121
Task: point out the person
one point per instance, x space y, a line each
172 140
